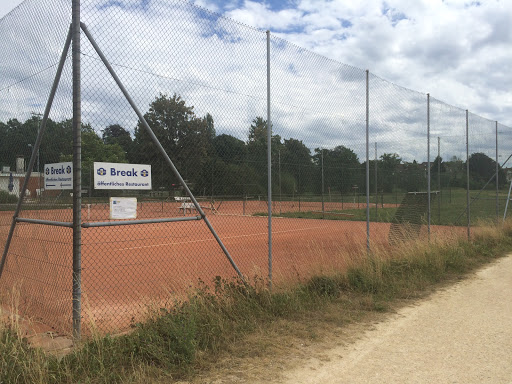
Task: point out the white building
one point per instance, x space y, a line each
11 181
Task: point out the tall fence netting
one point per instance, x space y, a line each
448 172
38 267
318 154
200 81
398 142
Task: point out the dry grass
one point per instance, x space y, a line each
222 329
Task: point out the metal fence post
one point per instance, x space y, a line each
367 161
497 180
467 176
280 190
428 166
323 208
439 180
77 173
269 160
376 185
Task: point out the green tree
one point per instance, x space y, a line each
482 168
183 135
57 141
4 145
229 148
225 162
413 177
228 179
258 130
115 134
258 135
94 149
389 167
456 170
257 148
295 160
437 164
18 139
342 169
438 173
210 127
14 142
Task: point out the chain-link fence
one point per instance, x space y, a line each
355 161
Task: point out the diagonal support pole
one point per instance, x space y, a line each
35 149
159 146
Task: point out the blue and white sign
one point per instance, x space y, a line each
122 176
58 176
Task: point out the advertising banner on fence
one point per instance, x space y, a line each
58 176
123 208
122 176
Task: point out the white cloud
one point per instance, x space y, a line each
422 45
7 6
258 15
456 51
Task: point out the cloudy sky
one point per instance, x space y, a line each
7 5
456 50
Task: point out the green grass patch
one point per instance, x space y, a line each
447 208
379 215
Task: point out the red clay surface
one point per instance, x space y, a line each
125 268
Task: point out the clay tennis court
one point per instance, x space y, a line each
126 268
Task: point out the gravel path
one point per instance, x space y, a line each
462 334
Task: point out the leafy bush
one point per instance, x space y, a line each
7 198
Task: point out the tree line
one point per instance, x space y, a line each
222 164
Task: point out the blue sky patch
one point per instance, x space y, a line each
394 15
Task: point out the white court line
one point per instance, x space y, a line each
224 238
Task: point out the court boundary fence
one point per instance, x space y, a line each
73 42
77 224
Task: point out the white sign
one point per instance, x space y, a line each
123 207
58 176
122 176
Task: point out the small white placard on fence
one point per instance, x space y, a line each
58 176
123 207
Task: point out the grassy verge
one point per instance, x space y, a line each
443 214
178 341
